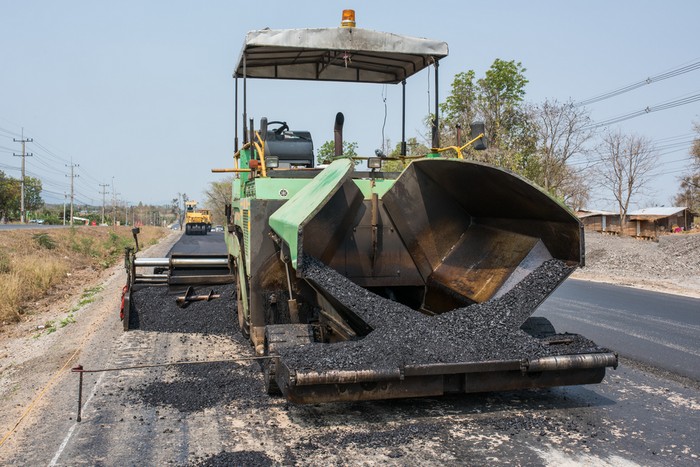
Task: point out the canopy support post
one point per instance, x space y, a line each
403 118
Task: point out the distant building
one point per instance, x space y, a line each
657 220
600 221
647 223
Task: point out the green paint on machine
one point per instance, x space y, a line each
288 219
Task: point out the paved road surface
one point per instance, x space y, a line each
218 413
31 226
210 244
659 329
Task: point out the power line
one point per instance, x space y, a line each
11 134
630 87
51 153
47 158
662 106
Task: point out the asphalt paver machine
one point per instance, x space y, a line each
363 284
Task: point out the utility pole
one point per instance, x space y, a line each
104 192
183 212
65 197
179 220
23 213
114 206
72 191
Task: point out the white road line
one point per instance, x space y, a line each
628 332
63 445
633 316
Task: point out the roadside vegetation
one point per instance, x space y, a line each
39 264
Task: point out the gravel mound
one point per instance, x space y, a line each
672 264
402 336
154 309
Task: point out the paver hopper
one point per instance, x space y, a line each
373 267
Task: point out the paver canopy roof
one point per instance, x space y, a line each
336 54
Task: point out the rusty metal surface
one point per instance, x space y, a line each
373 254
435 200
369 390
474 231
481 261
428 382
311 378
357 238
429 220
567 362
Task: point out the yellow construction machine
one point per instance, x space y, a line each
197 221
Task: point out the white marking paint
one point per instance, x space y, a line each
63 445
628 332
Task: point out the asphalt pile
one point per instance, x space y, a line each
234 458
402 336
201 386
155 309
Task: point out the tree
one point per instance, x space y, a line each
459 108
413 149
11 195
689 190
497 99
562 134
624 167
575 190
218 196
501 93
326 153
32 194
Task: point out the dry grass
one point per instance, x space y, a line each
34 263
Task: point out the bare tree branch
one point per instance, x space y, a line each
625 167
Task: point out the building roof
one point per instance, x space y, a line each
658 211
592 212
646 214
650 214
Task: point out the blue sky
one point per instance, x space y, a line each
141 92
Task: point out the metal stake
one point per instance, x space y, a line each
79 369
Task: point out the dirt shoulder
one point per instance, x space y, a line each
32 355
670 265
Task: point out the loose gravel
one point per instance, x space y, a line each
235 459
197 387
672 264
402 336
155 309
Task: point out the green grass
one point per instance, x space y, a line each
87 297
67 320
44 241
